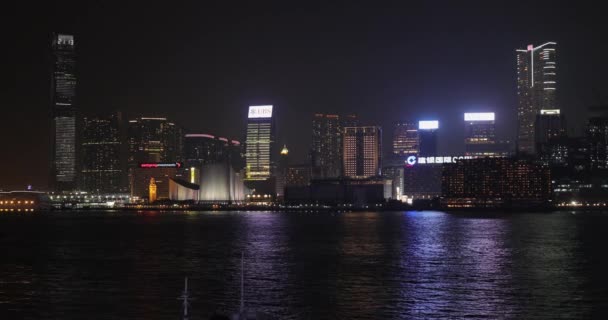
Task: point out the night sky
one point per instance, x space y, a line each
202 64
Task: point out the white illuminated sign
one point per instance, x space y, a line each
549 111
428 124
413 160
479 116
260 112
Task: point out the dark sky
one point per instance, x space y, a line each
202 64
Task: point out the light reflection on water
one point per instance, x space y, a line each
365 265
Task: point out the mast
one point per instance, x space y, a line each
185 298
242 285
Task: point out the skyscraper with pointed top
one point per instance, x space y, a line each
536 89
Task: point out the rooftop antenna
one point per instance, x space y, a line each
185 299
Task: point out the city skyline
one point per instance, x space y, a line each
394 81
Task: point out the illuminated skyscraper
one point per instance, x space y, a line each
259 143
102 167
63 94
326 150
536 86
427 134
362 152
479 137
405 139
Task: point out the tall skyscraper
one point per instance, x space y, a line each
281 173
63 94
536 86
362 152
480 134
405 139
102 168
259 143
326 150
427 133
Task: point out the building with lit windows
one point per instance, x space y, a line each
480 134
536 90
427 137
597 137
260 142
495 183
63 99
153 140
103 167
326 151
362 152
24 201
405 138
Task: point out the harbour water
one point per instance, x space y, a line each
362 265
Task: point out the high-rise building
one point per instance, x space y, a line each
63 94
495 182
326 150
427 134
597 136
549 125
480 136
102 167
154 140
362 152
405 139
260 143
536 86
281 174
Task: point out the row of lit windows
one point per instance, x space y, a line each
15 210
16 202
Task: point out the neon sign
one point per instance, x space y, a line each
154 165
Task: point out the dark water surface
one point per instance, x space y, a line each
388 265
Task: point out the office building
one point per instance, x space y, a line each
427 133
102 168
63 100
536 89
260 142
326 153
495 182
281 173
480 134
597 135
362 152
154 140
405 139
298 175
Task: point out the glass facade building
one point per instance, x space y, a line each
536 88
63 94
260 142
102 168
362 150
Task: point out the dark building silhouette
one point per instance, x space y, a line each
326 150
427 133
405 139
63 100
103 167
